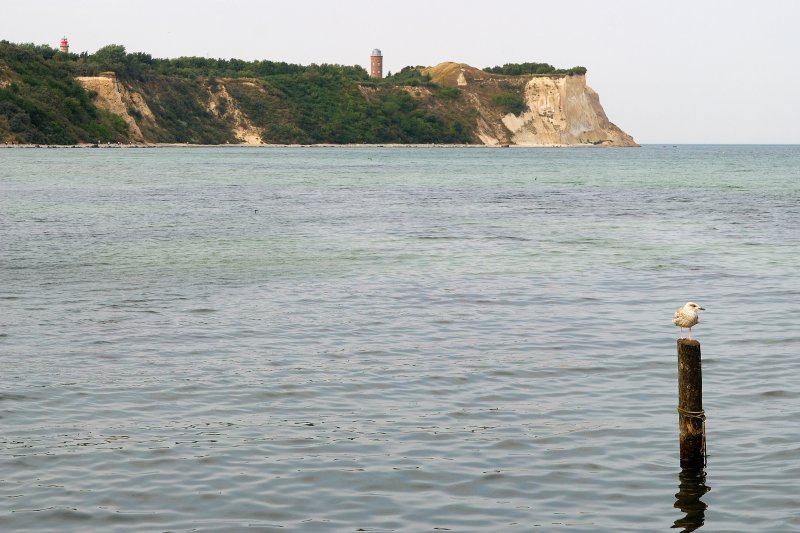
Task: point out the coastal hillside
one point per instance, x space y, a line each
48 97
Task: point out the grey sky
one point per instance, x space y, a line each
667 72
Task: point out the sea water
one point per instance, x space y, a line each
395 339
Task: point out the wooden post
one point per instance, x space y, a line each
691 418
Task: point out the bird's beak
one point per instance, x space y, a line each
702 308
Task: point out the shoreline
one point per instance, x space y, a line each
320 145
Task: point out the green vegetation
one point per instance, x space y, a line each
40 102
179 107
327 107
449 93
408 76
510 102
518 69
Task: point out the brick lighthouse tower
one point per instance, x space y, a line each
64 46
376 64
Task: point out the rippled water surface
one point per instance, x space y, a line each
315 339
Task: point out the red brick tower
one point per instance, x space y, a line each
376 64
64 46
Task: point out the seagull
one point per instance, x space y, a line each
686 317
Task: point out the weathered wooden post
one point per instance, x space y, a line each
691 417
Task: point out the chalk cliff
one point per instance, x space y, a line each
558 109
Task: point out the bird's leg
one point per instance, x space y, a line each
690 334
681 333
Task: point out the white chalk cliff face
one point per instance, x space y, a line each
561 110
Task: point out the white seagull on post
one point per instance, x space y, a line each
686 317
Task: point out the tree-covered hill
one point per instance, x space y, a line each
41 101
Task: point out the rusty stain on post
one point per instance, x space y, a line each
691 418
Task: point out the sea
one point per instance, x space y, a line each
383 339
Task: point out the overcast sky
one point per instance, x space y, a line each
673 71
